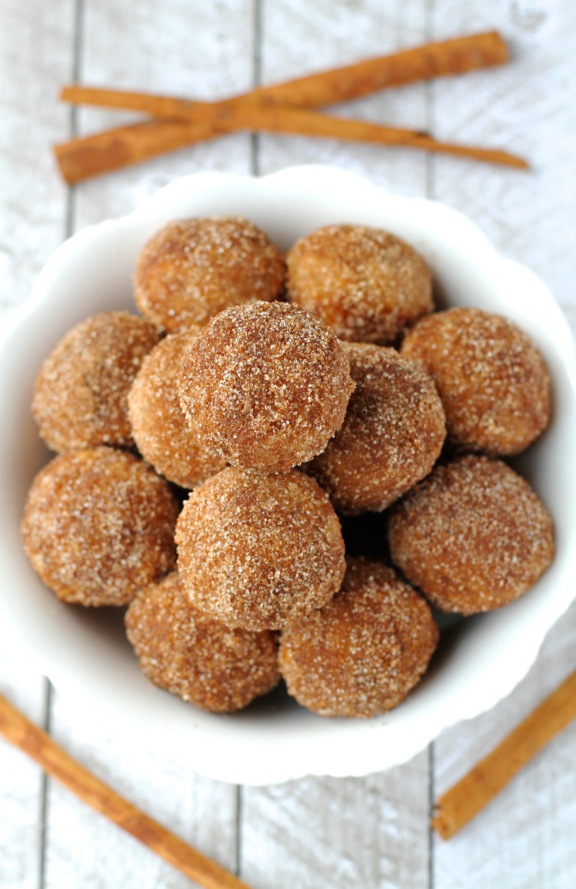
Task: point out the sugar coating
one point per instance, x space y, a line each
81 391
159 427
365 283
493 381
98 525
362 653
473 536
265 385
392 434
180 649
258 551
193 268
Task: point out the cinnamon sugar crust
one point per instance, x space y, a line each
180 649
493 381
265 386
193 268
159 427
258 551
362 653
81 391
391 437
98 525
473 536
366 284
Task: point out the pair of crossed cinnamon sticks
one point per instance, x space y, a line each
288 107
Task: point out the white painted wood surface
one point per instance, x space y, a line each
369 833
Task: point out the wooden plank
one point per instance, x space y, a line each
338 832
32 222
528 829
35 53
21 782
524 107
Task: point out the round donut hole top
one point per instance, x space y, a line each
367 284
265 385
472 536
259 550
491 377
191 269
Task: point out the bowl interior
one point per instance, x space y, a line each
84 652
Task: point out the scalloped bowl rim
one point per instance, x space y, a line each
86 656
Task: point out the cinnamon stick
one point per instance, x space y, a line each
21 732
471 794
458 55
86 156
81 158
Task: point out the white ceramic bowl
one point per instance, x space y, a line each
84 652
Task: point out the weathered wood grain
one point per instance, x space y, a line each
21 782
366 832
326 33
34 57
526 106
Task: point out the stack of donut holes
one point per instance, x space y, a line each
210 448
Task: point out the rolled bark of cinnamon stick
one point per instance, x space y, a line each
87 156
20 731
84 157
477 789
458 55
137 144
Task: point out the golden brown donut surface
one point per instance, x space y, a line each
362 653
159 427
365 283
392 434
258 551
265 385
98 525
473 536
193 268
191 655
493 381
81 392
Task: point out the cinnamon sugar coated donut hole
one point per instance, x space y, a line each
363 652
98 525
159 427
193 268
473 536
391 437
493 381
180 649
258 551
81 391
265 385
366 284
